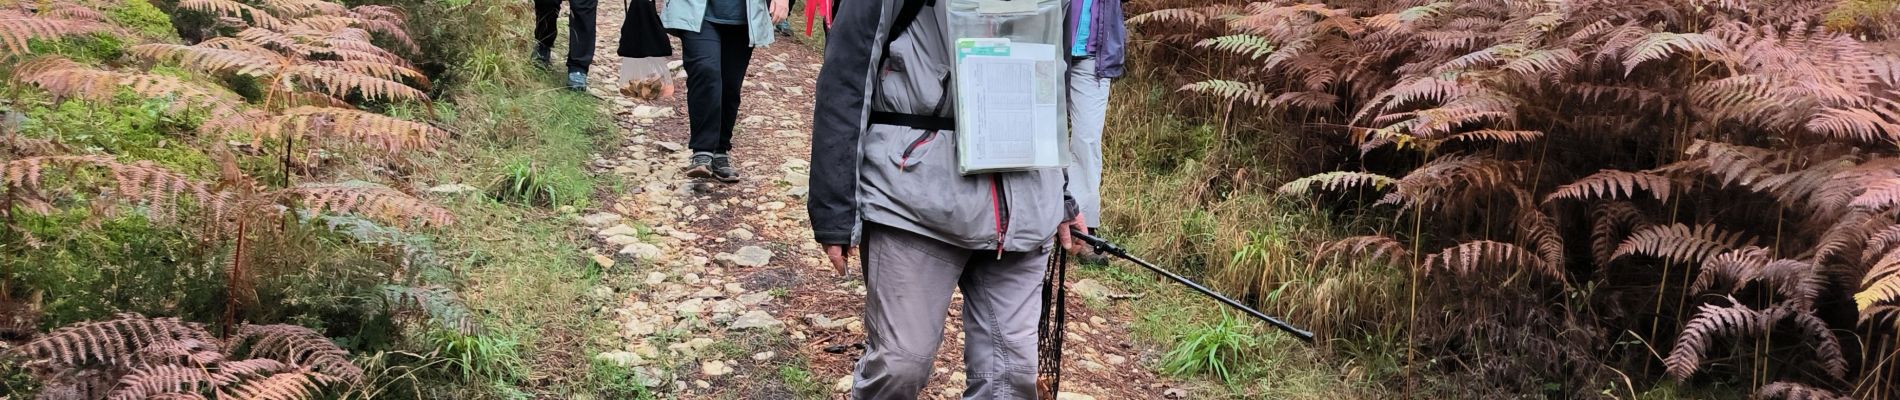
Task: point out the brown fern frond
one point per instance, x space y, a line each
1414 90
1849 235
370 200
341 83
374 12
326 22
235 370
71 11
1495 135
1609 223
1613 184
147 382
1544 63
284 386
1827 347
1837 190
243 46
236 10
1735 163
16 29
392 30
302 8
1177 17
376 131
1540 231
1880 242
1680 243
1371 247
1712 323
1660 45
1435 183
143 183
296 346
1794 280
122 341
377 69
273 40
1336 181
64 78
1468 257
1751 99
1857 124
1795 391
214 60
1880 196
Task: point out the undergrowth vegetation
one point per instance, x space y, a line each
1559 198
236 163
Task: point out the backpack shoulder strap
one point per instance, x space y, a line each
906 15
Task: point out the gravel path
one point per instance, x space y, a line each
722 292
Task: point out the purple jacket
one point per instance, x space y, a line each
1107 35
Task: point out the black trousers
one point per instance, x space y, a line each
580 30
716 58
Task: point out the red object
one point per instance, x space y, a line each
813 8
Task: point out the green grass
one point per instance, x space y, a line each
614 382
141 17
519 255
1211 348
798 378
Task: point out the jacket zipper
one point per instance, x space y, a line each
1000 202
921 140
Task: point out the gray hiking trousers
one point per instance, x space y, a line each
1088 115
909 279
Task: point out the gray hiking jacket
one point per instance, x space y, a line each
903 177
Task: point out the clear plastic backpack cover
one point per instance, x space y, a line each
1010 86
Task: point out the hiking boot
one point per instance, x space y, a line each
540 57
700 166
722 169
577 81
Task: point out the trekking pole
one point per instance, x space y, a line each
1104 247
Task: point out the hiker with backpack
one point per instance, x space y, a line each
886 182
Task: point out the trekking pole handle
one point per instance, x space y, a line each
1105 247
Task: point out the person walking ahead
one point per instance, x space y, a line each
716 38
1095 51
885 180
580 37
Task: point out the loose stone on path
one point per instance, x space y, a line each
757 320
749 256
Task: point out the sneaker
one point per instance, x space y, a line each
540 57
577 81
722 169
701 166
